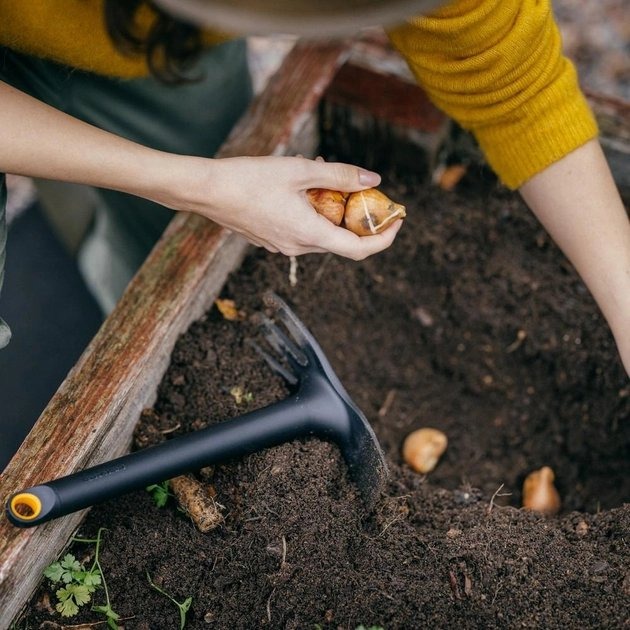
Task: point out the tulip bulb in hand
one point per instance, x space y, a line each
329 203
365 212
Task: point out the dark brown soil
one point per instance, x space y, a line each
425 334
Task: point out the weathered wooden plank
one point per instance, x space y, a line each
91 417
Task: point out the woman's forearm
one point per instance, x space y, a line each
39 141
578 203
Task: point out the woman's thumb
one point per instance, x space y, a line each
340 176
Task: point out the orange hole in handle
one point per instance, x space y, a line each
26 506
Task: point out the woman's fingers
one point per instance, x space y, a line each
342 242
262 198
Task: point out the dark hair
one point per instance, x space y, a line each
171 47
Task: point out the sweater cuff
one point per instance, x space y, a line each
546 129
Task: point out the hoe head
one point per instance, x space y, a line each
331 412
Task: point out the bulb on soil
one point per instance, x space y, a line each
539 493
423 448
365 212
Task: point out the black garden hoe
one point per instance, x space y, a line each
319 406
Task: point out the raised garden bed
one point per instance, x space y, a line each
472 323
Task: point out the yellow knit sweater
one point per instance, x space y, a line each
73 32
495 66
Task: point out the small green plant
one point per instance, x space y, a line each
183 607
107 610
160 493
79 584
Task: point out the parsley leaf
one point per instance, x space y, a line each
159 492
66 607
54 572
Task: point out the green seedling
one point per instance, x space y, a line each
110 615
183 607
79 584
160 493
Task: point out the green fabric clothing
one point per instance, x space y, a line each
191 119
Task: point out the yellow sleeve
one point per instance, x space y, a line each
496 67
73 32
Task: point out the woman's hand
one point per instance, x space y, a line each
264 200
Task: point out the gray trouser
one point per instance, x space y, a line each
191 119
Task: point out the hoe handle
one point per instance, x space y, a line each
278 423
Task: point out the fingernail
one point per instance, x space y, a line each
369 178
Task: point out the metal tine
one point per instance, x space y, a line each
291 322
282 344
277 367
